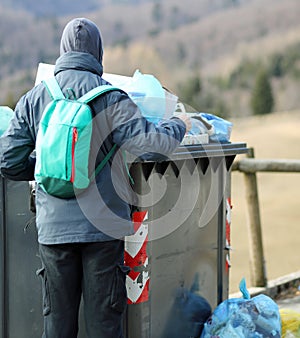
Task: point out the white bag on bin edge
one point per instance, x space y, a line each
6 114
148 94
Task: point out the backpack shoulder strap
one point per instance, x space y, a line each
89 96
53 88
104 161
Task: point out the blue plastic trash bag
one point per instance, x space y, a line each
222 128
257 317
148 94
5 116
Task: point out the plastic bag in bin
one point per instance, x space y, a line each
222 127
256 317
148 94
218 129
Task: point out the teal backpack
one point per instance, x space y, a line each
63 142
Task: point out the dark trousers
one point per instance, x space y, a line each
94 271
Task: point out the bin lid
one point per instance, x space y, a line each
209 150
184 152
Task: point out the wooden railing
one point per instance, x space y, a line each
249 167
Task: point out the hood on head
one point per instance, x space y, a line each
82 35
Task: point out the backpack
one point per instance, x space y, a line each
63 142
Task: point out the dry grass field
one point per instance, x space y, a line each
274 136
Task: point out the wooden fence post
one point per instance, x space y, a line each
257 261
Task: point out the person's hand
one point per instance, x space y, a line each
186 119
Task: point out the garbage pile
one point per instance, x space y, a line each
157 103
207 128
246 317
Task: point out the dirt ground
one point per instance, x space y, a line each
273 136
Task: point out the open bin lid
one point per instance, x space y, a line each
185 152
209 150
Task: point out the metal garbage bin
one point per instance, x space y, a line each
182 237
20 302
182 242
20 287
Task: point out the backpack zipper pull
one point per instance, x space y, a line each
74 140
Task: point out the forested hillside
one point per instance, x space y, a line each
207 51
48 8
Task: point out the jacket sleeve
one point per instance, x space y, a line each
134 133
17 145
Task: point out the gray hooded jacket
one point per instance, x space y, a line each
103 211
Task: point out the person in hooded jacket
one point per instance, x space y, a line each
81 239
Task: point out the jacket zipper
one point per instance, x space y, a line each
74 140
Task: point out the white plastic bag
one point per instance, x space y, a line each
5 116
148 94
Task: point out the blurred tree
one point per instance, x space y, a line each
190 89
10 100
276 65
262 100
242 75
181 51
154 32
197 97
175 17
157 13
118 27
